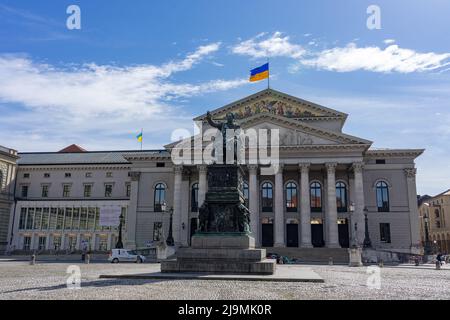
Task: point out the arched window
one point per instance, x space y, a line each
382 196
267 197
436 213
291 197
159 197
245 193
341 197
316 197
194 197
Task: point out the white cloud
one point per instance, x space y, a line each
389 41
73 103
276 45
391 59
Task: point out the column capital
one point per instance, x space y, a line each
134 175
252 168
357 167
410 172
304 167
178 169
331 167
202 168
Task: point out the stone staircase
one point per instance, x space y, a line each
313 255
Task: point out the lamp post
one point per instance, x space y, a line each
366 243
119 244
351 210
427 250
169 240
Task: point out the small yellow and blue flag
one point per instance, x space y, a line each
139 137
259 73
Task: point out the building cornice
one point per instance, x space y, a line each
393 153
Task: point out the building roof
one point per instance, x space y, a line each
72 148
87 157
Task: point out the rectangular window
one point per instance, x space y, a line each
57 243
46 175
67 175
91 219
30 219
66 190
87 190
83 219
157 231
24 191
26 175
108 190
26 243
76 219
109 174
37 219
97 219
380 161
72 241
42 243
385 232
88 174
68 219
45 215
23 218
60 219
160 164
44 193
53 218
128 188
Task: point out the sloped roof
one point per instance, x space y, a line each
88 157
72 148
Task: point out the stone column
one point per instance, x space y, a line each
279 209
305 206
176 224
331 214
202 183
253 200
131 217
358 215
413 209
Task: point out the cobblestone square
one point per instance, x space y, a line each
19 280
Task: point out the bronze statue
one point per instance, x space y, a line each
223 127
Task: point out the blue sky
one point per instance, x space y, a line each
157 64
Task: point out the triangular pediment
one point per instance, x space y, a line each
293 132
273 102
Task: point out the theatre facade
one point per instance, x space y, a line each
327 183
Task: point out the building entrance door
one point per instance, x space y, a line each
292 235
317 235
344 239
267 235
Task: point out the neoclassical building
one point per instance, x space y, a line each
327 182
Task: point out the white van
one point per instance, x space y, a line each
124 255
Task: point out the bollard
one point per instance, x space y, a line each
330 261
381 263
438 265
88 258
33 259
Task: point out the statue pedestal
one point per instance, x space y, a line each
221 253
222 244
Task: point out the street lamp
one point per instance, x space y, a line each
427 247
119 244
366 243
351 209
169 240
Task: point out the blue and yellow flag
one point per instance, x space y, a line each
259 73
139 137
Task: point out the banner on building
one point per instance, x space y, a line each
110 216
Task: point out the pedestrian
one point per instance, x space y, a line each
439 258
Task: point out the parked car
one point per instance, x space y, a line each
124 255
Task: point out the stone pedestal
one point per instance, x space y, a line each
355 257
222 244
221 253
